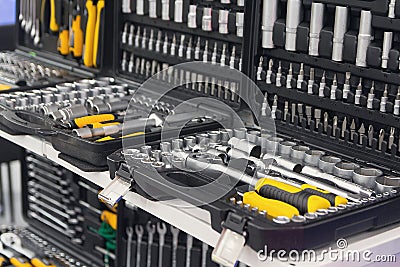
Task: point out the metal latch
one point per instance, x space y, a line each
231 241
118 188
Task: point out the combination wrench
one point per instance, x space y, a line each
139 234
175 234
161 230
151 229
129 233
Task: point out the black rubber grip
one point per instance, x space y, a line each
330 197
298 200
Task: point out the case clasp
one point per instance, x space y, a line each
118 188
231 241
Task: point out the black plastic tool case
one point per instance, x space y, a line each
37 173
376 212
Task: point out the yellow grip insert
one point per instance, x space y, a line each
63 42
109 138
89 37
19 263
76 42
53 19
98 33
334 199
40 263
83 121
110 218
274 208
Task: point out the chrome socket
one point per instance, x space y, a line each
312 157
345 170
326 163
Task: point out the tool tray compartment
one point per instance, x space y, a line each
62 213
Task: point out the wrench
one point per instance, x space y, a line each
33 31
204 251
151 229
29 22
129 233
21 10
175 234
139 233
189 245
161 230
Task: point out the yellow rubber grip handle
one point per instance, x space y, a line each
18 263
110 218
337 199
304 200
76 38
97 125
3 261
89 36
97 39
40 263
63 42
274 208
109 138
83 121
53 19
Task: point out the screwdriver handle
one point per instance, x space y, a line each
332 198
98 36
76 38
55 11
89 35
293 195
274 208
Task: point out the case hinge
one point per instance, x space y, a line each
231 241
118 188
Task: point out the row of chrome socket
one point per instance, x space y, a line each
209 14
294 11
222 88
364 95
16 69
344 127
179 45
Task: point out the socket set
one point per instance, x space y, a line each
61 203
18 70
146 240
89 114
329 72
268 181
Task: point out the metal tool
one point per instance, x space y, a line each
339 31
388 37
129 233
161 230
151 229
269 16
293 19
316 25
189 245
175 235
204 250
139 235
364 38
